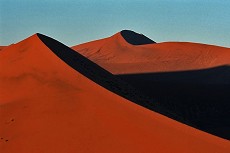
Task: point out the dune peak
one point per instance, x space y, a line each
135 38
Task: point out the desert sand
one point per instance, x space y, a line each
47 106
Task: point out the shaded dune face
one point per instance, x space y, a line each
46 105
135 38
200 97
187 79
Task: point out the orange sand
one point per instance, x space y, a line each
47 107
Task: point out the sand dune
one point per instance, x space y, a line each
48 106
118 56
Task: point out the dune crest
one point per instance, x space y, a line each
47 106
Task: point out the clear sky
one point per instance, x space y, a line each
77 21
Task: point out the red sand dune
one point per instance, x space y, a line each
46 106
118 56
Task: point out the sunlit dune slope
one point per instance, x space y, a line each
118 55
47 106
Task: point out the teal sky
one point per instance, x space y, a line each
77 21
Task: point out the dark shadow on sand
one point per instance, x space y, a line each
201 97
135 38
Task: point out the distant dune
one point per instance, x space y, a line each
118 56
51 102
187 79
